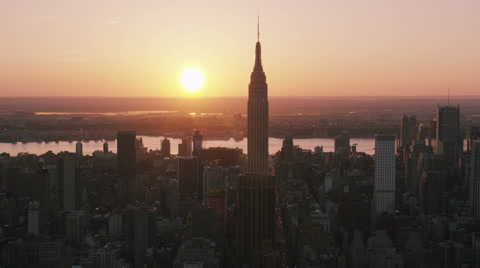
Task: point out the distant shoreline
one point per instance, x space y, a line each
154 143
166 136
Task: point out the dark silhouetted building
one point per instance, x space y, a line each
288 149
127 164
256 218
475 178
197 140
431 193
472 133
166 147
187 174
422 132
354 206
410 159
34 253
411 174
185 148
141 233
68 182
258 117
126 154
448 133
105 147
203 222
408 130
79 148
224 157
342 141
41 189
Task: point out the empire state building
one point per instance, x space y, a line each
258 117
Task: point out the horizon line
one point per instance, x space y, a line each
237 97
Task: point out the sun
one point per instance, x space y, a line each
192 79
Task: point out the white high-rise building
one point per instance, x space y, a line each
35 218
212 179
384 195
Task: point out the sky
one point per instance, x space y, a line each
124 48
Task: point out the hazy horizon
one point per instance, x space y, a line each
456 97
313 48
231 105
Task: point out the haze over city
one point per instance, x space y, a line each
174 134
312 48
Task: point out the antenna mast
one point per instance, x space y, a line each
258 28
448 98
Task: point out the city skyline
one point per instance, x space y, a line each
122 49
211 181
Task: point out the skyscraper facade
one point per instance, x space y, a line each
166 147
185 148
187 175
448 133
384 194
431 193
127 164
213 179
408 130
79 148
475 178
105 147
141 233
197 140
342 141
224 157
472 133
256 218
256 190
68 182
127 159
258 117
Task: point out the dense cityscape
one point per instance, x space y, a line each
244 134
414 203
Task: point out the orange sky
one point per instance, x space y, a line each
120 48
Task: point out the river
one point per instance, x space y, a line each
153 142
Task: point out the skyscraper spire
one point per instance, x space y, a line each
258 28
448 100
258 52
